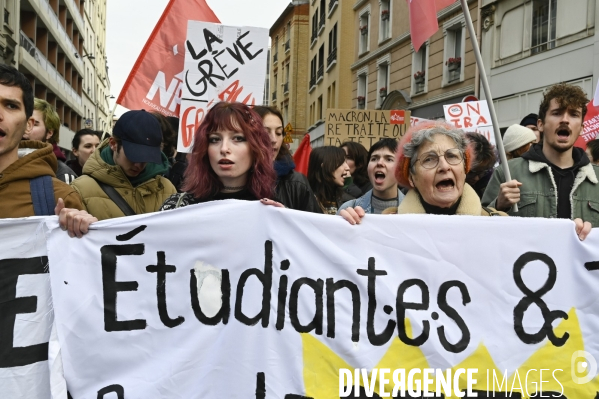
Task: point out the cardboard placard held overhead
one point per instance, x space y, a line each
364 126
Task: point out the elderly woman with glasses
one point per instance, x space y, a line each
433 161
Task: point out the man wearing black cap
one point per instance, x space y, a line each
124 175
530 121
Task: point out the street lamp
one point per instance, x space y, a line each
89 56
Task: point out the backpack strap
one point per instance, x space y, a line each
493 211
116 198
42 195
180 199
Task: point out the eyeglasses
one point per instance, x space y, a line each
430 160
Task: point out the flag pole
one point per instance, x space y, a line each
109 122
488 95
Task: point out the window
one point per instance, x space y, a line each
275 56
454 52
323 8
362 88
364 31
320 110
313 70
314 27
288 37
320 73
543 25
385 20
274 93
332 57
382 81
419 69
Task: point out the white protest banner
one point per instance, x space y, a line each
222 63
472 116
27 367
414 120
238 299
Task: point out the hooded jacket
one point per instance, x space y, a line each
539 191
15 191
144 197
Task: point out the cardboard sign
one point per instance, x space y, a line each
364 126
472 116
264 302
222 63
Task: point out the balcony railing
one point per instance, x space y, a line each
314 36
286 88
332 5
312 81
274 95
287 45
320 72
77 14
322 16
63 85
275 58
44 5
332 57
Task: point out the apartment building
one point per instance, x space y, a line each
529 45
330 56
288 70
387 73
96 85
60 46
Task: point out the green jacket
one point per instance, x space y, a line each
144 198
538 193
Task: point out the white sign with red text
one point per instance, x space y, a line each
472 116
222 63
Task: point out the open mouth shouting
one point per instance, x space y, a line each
563 133
379 177
445 185
2 133
226 163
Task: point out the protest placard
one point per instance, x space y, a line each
472 116
231 309
364 126
222 63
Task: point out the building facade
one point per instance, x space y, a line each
528 46
387 72
59 45
332 36
288 71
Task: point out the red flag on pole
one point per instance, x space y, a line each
301 157
590 129
423 19
156 78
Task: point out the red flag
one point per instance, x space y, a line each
301 158
156 78
590 129
423 19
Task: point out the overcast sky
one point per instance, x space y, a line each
130 22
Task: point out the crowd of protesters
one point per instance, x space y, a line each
238 153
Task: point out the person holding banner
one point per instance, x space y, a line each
232 158
553 179
433 161
327 171
292 188
385 193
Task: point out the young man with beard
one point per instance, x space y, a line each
46 125
553 179
384 193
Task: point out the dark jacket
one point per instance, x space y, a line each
63 173
293 189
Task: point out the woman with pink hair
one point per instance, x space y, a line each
231 159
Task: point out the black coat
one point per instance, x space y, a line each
293 191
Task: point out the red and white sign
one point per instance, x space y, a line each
414 120
398 117
471 116
222 63
591 122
